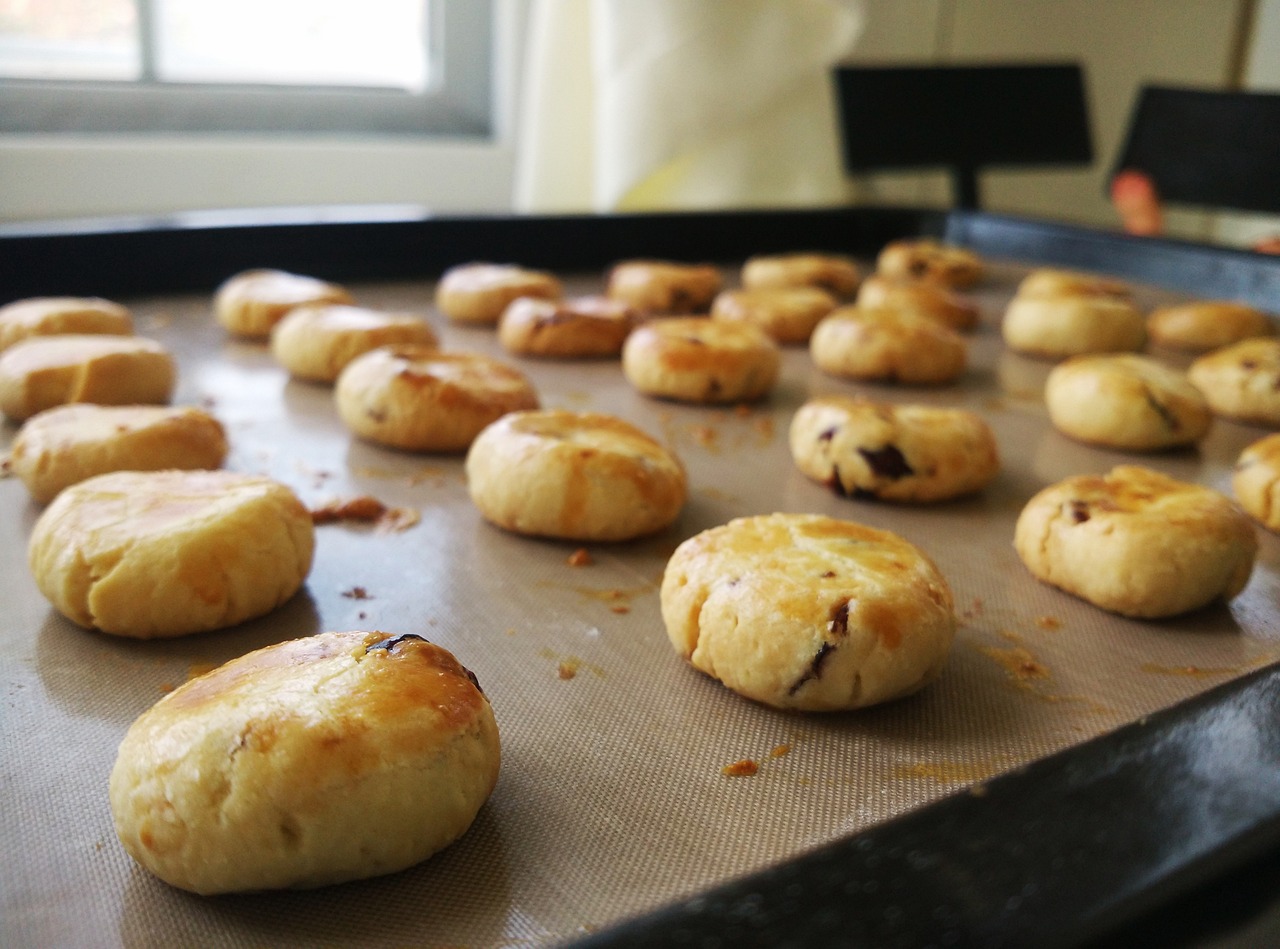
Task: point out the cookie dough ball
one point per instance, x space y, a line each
886 346
1241 381
1206 324
478 293
250 303
45 371
834 273
787 314
55 316
315 342
574 476
421 399
926 259
1129 402
69 444
1136 542
158 554
1055 327
1053 282
801 611
928 299
1256 481
698 359
310 762
912 453
578 328
658 287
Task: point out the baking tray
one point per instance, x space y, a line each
1070 772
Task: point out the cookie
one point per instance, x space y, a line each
574 476
911 453
315 761
45 371
577 328
787 314
251 302
54 316
477 293
919 296
68 444
1055 282
662 287
1205 325
835 273
1055 327
698 359
1137 542
927 259
316 341
418 398
801 611
1240 381
158 554
886 346
1256 481
1129 402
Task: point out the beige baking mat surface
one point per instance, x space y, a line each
612 798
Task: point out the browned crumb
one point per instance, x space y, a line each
704 435
580 558
167 687
6 465
1048 622
620 608
398 519
742 410
360 508
357 593
568 668
741 769
779 750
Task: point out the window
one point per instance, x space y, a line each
265 66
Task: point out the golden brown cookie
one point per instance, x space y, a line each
157 554
1204 325
1055 282
928 259
801 611
919 296
1241 381
912 453
577 328
661 287
477 293
1126 401
310 762
1055 327
1256 481
316 341
698 359
421 399
44 371
788 314
68 444
886 346
53 316
1137 542
835 273
250 303
574 476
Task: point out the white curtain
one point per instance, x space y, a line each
649 104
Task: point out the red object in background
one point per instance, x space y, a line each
1134 196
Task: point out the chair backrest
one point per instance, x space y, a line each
1207 148
963 118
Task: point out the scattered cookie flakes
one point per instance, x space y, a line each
568 668
705 435
357 593
397 519
1048 622
779 751
741 769
1018 662
580 558
368 509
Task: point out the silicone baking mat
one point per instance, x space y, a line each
613 797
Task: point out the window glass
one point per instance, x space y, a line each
69 39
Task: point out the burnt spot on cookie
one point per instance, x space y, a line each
887 462
392 641
815 668
1077 511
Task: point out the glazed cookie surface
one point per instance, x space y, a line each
698 359
46 371
835 273
919 296
1242 381
68 444
1137 542
251 302
53 316
660 287
877 345
925 259
577 328
911 453
1256 481
801 611
479 292
1126 401
418 398
316 341
1055 327
574 476
1204 325
787 314
310 762
157 554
